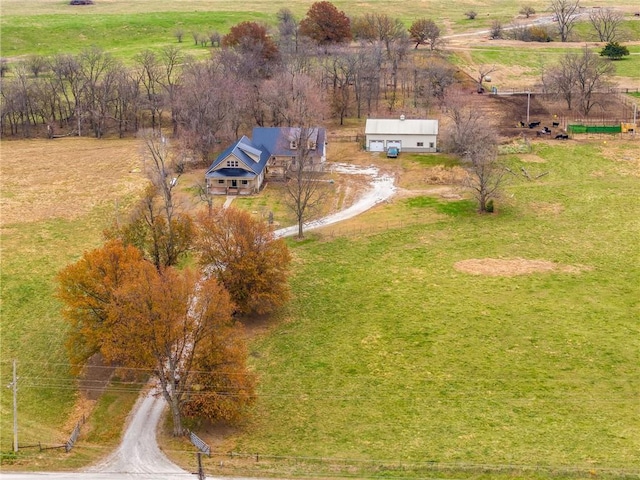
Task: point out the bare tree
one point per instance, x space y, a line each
560 81
367 77
179 34
527 11
150 69
496 30
158 226
304 111
485 175
214 38
171 59
37 64
482 73
305 190
579 76
566 16
440 76
592 74
379 27
469 135
204 106
341 67
289 31
606 22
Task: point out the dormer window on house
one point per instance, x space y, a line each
312 145
293 145
232 163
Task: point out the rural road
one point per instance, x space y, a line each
545 20
138 456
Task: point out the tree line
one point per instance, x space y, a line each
351 67
246 82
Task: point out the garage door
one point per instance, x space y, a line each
394 143
376 145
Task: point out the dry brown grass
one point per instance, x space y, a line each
498 267
531 158
626 157
65 178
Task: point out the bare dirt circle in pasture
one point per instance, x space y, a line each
498 267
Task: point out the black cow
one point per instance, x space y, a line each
534 124
556 124
562 136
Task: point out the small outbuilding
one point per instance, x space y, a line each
407 135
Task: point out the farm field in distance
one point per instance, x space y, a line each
423 340
124 28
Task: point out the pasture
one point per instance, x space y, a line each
455 339
421 336
464 340
124 28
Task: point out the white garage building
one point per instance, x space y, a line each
407 135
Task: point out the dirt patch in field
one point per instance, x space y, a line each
531 158
497 267
95 377
441 175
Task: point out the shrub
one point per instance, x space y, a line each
496 30
490 206
614 51
471 14
527 11
539 34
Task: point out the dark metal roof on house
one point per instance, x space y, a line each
252 155
231 173
248 155
277 140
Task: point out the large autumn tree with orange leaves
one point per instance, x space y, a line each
164 320
325 24
242 253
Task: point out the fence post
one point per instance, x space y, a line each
201 475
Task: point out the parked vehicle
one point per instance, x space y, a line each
392 152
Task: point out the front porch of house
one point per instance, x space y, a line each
232 186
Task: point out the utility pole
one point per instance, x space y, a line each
14 385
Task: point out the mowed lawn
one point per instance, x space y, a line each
390 353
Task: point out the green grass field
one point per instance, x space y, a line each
390 354
46 27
